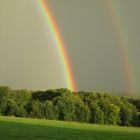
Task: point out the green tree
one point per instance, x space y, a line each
5 91
82 112
135 102
90 99
35 109
127 113
9 107
65 106
50 111
50 94
97 116
137 120
111 112
21 96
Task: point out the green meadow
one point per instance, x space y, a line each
12 128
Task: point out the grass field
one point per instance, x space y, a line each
12 128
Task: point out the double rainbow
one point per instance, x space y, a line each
64 58
120 38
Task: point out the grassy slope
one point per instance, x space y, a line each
31 129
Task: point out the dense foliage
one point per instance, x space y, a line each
62 104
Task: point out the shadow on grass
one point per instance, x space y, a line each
24 131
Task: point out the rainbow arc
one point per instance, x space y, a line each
123 46
64 58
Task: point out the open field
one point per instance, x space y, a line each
12 128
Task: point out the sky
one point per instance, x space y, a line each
89 28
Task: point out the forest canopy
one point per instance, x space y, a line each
63 104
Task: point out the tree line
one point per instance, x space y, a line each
63 104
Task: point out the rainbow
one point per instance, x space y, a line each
69 76
121 39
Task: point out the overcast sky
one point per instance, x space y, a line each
28 58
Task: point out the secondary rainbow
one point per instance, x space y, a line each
64 58
121 38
